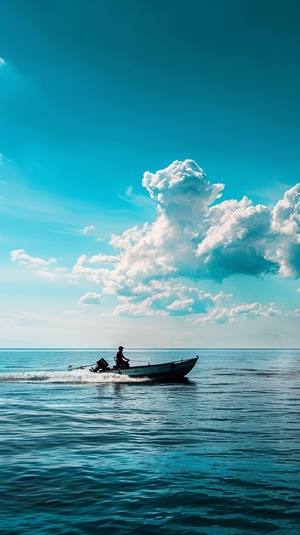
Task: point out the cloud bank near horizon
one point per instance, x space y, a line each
195 236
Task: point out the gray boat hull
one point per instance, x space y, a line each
167 371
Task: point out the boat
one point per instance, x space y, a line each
167 371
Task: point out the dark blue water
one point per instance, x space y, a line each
217 454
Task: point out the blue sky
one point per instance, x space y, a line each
149 173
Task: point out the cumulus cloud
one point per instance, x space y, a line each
285 227
195 236
157 267
2 61
90 298
236 240
182 192
165 298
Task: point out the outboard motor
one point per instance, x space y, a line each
100 365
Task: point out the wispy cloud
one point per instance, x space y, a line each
141 201
46 269
230 315
17 318
20 255
88 229
2 61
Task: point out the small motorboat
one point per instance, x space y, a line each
168 371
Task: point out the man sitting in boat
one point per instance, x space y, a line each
121 361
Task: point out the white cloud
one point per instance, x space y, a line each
46 269
54 273
103 259
46 274
182 191
193 237
235 240
88 229
96 275
20 255
17 318
2 61
156 268
140 201
166 298
230 315
286 225
90 298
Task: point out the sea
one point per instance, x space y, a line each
85 454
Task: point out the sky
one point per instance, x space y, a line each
149 173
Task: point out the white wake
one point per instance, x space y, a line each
68 377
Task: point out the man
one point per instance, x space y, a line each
121 361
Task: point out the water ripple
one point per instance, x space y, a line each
216 455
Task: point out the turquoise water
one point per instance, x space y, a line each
217 454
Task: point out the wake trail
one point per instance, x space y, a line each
66 377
